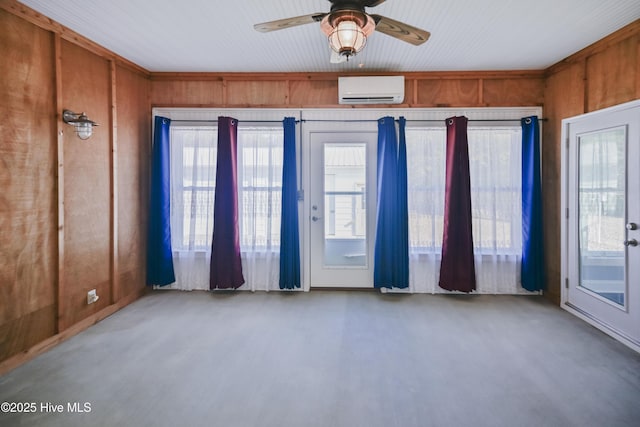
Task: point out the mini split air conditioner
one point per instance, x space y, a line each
371 90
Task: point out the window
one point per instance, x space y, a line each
345 191
495 170
495 163
193 184
193 175
425 187
260 161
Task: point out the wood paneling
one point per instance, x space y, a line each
133 171
28 261
187 92
612 74
604 44
564 98
320 90
601 75
257 93
48 343
513 92
57 50
72 212
448 92
87 193
24 332
114 218
26 13
313 92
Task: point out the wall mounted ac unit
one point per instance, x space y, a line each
371 90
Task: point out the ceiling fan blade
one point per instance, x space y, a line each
280 24
400 30
336 58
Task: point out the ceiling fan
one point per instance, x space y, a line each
347 26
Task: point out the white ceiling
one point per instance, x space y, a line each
218 36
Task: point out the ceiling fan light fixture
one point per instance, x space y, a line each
347 31
347 38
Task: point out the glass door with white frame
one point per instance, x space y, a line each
602 222
342 208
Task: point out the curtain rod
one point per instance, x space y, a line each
413 120
478 120
239 121
352 121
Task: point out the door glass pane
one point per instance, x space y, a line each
345 214
602 187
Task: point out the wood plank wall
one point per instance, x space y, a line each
601 75
28 149
72 212
320 90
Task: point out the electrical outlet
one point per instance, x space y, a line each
92 296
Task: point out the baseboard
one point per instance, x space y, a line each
26 355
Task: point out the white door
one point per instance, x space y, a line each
342 203
603 219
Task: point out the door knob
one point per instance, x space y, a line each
631 242
316 218
632 226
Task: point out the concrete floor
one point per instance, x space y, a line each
331 358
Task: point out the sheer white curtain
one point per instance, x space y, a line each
495 165
193 176
425 192
260 155
193 171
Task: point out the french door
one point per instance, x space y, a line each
342 203
602 220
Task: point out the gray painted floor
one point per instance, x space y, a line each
333 359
